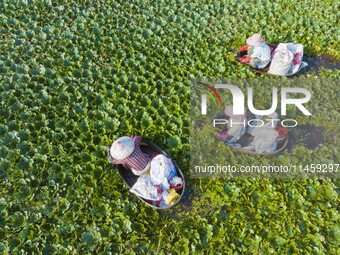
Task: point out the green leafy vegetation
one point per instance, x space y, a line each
76 76
207 150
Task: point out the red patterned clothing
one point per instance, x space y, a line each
137 160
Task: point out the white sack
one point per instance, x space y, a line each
282 60
265 140
145 189
162 169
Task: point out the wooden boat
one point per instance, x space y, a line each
246 138
265 70
130 179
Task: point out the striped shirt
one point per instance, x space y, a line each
137 160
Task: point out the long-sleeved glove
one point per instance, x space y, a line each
244 48
245 59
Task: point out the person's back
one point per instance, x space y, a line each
260 56
258 52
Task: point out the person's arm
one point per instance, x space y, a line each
244 48
137 140
121 162
246 58
117 161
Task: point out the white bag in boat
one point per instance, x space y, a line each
297 50
265 140
145 189
269 122
282 60
162 170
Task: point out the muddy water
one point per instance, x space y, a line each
315 64
308 136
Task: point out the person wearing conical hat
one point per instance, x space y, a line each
258 52
126 150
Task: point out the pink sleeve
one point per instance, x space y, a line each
120 162
117 161
244 48
137 139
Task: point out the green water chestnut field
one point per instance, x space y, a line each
76 75
302 149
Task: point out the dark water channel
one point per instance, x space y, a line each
316 64
308 136
325 61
